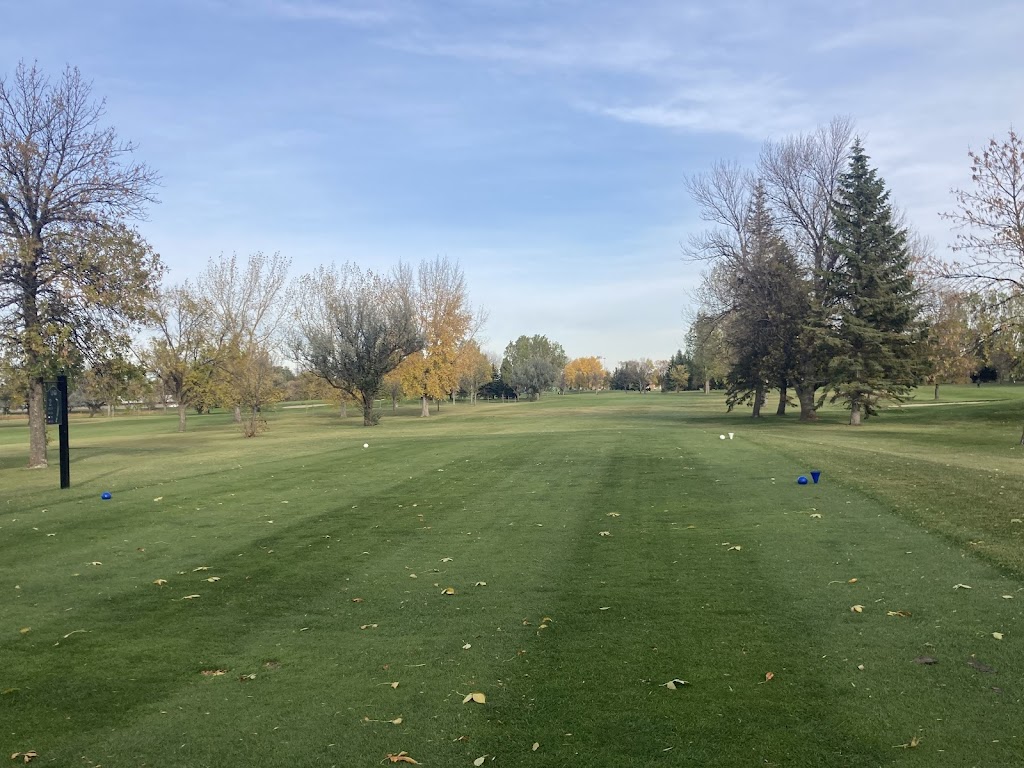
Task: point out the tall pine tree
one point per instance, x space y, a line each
769 304
874 353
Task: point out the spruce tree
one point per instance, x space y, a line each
874 352
769 305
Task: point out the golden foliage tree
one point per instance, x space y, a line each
585 373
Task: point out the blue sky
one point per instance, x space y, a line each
544 145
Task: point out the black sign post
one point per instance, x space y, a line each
57 413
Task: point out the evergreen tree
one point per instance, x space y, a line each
874 353
769 304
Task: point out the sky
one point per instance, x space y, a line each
544 145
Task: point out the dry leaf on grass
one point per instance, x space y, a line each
675 683
735 547
401 757
901 614
243 678
25 630
857 608
817 515
367 626
26 757
769 676
480 584
94 562
447 559
912 744
997 635
160 582
394 684
961 586
213 579
477 697
448 591
851 581
357 599
213 672
612 514
480 761
980 666
535 747
201 568
604 533
466 647
190 597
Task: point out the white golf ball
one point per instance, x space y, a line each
366 445
721 437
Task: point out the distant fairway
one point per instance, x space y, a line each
599 546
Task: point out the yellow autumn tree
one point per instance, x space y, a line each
585 373
446 321
474 369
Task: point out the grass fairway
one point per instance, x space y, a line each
598 547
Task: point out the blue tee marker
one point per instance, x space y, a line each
105 495
815 474
802 480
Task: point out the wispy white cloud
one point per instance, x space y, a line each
345 12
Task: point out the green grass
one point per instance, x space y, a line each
574 633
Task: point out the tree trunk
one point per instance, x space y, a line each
707 386
758 399
855 413
394 404
344 410
238 414
368 420
182 414
424 406
37 425
805 394
110 410
936 396
783 401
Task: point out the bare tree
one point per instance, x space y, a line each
66 259
353 327
248 306
990 220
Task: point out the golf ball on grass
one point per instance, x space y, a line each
721 437
366 445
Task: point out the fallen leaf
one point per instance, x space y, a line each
997 635
912 744
1007 597
401 757
367 626
480 761
466 647
26 757
479 698
857 608
901 614
94 562
736 547
605 608
817 515
447 559
213 579
213 672
396 721
25 630
961 586
480 584
928 660
412 575
357 599
394 685
612 514
448 591
675 683
860 667
768 676
535 747
190 597
852 581
158 498
201 568
604 533
243 678
160 582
